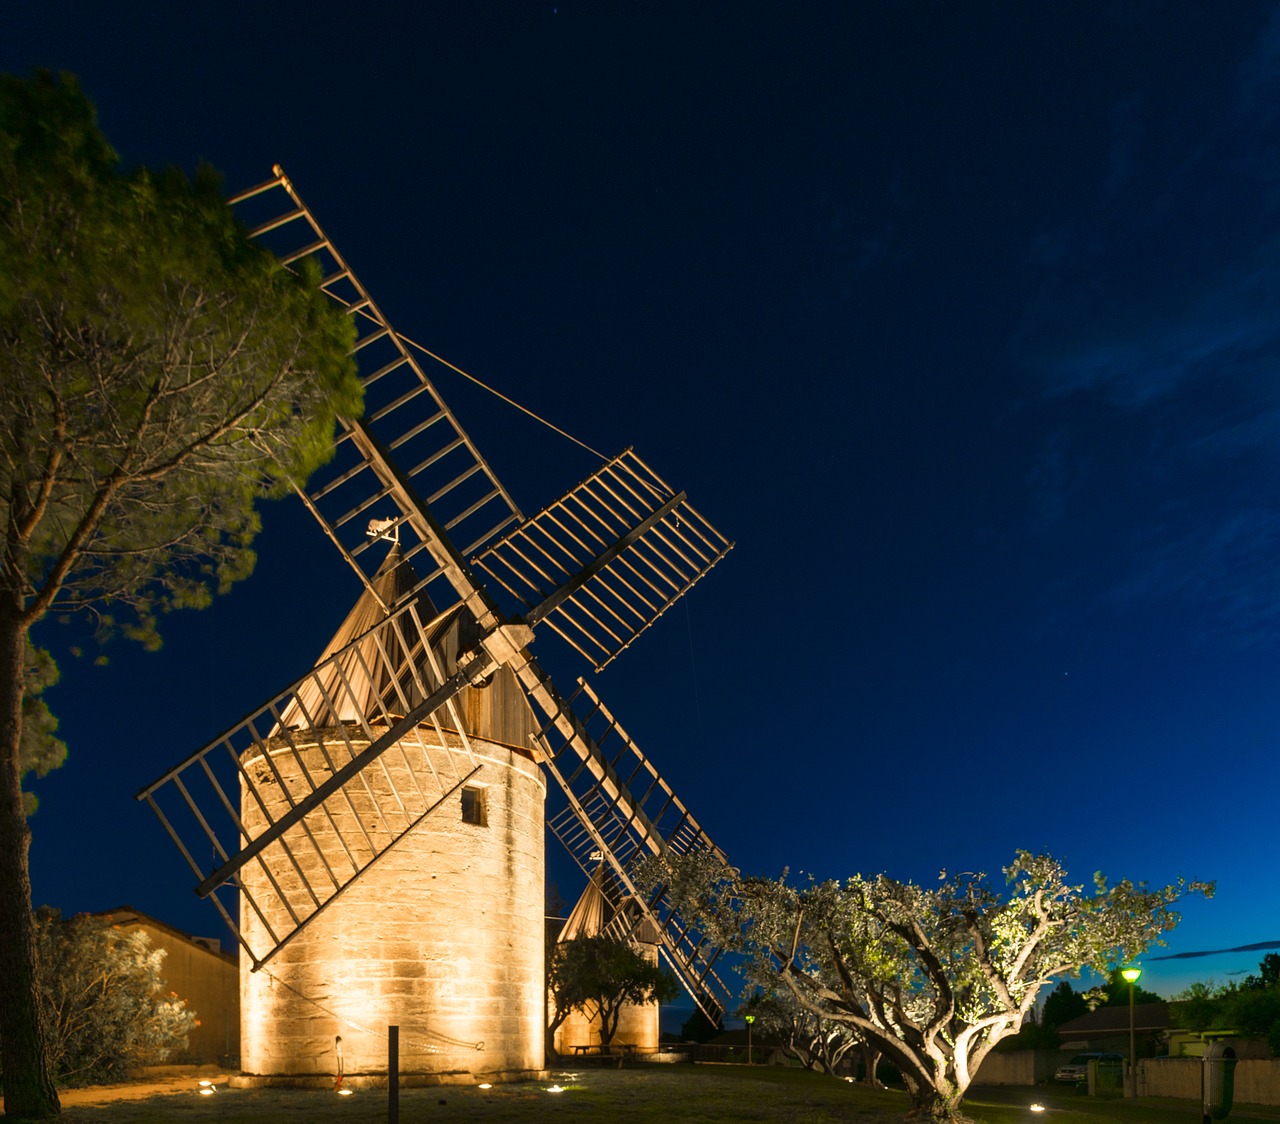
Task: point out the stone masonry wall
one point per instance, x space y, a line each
441 936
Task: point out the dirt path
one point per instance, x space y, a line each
174 1080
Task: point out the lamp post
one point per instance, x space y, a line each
1132 974
750 1019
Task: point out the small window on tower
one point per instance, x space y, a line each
473 810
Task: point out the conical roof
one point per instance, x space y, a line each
587 918
350 688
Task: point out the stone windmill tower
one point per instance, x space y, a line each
374 832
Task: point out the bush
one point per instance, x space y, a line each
102 1000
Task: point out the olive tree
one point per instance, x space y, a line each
159 373
816 1042
931 976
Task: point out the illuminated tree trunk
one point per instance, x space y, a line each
936 1106
28 1089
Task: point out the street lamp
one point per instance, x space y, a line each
750 1019
1131 974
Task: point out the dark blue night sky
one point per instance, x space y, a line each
961 319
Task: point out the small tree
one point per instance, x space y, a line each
103 1002
698 1028
1063 1005
1268 974
601 975
158 374
563 996
1117 991
817 1043
933 977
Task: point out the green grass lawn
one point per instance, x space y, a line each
638 1095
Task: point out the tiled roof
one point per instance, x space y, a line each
1113 1020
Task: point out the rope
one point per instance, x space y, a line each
693 665
422 1047
499 394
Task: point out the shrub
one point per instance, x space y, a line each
102 1000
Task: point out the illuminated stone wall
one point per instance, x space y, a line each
442 936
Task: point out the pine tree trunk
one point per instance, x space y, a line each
28 1089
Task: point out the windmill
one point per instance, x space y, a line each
428 702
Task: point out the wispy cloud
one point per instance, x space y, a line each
1153 344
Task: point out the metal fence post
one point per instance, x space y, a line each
393 1075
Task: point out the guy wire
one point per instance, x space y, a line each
499 394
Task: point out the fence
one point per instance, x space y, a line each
1257 1081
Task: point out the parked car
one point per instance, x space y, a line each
1077 1069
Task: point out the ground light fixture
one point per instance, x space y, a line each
1037 1108
554 1089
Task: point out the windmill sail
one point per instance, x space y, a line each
404 418
611 801
603 563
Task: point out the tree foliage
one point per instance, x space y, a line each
159 373
698 1028
1116 991
599 976
103 1001
40 751
1064 1004
1250 1009
935 976
1268 973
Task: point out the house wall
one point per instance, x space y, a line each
1020 1067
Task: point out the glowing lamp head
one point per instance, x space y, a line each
345 1092
1037 1108
1131 974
